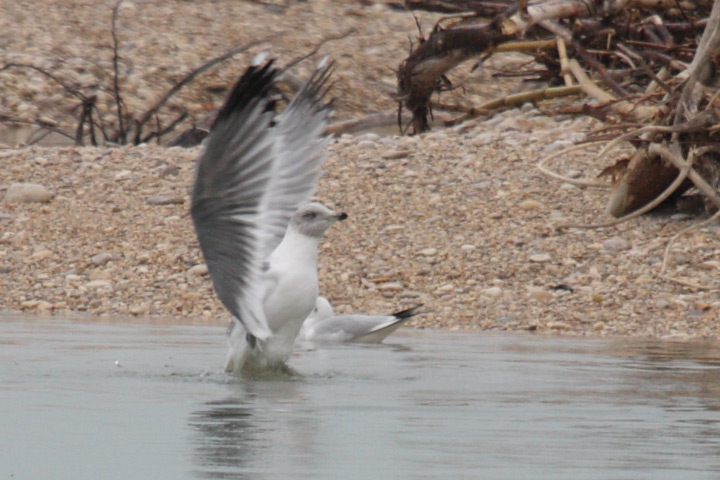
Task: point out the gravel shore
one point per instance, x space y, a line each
457 219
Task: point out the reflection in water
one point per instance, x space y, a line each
237 437
224 432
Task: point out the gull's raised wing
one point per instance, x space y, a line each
232 179
298 153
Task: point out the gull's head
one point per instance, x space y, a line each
312 219
322 309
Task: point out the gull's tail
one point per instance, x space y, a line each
410 312
378 334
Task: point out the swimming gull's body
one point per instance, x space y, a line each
322 325
258 234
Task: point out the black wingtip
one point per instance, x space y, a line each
318 87
255 83
410 312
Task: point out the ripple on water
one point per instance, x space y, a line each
426 405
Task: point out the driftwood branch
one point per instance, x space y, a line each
590 31
422 72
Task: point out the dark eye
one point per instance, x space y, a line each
309 215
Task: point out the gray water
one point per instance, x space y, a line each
139 401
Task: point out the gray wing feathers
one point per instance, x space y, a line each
257 168
299 154
232 176
349 327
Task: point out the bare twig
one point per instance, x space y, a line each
517 99
164 131
69 89
582 183
562 54
638 58
639 112
9 119
140 123
317 47
696 123
121 135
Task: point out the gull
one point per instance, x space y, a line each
322 325
257 231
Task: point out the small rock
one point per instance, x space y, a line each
482 185
530 205
41 254
101 259
540 258
559 326
616 244
28 304
72 278
140 309
557 146
197 271
392 154
371 136
700 305
169 170
467 247
99 284
662 303
484 138
572 173
44 306
493 292
367 145
509 124
164 200
390 287
428 252
27 193
539 294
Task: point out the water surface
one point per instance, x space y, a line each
133 401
